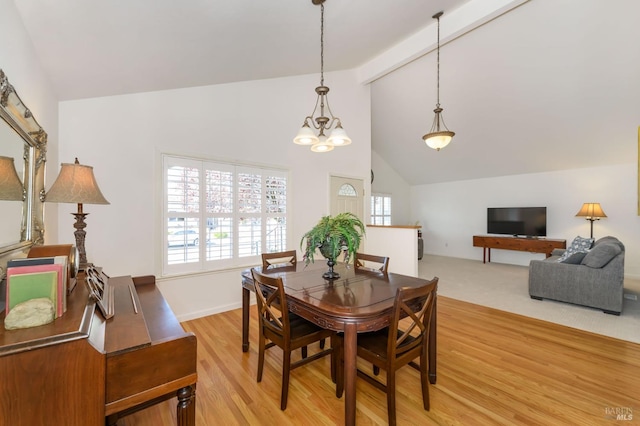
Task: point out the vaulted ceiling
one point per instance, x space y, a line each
92 48
527 85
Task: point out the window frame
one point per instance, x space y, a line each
201 262
384 199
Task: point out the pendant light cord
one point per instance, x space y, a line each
438 67
322 44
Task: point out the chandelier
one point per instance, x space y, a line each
439 136
322 123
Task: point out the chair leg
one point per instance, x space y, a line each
261 350
339 357
424 379
391 396
286 371
334 351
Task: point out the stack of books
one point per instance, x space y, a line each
38 277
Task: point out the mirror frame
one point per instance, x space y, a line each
14 112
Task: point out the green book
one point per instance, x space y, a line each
23 287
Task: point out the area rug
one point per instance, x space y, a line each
505 287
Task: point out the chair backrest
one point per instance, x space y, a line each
382 262
412 306
279 258
272 303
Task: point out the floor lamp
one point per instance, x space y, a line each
591 212
77 184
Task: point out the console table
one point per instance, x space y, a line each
533 245
83 370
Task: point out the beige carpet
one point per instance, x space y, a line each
505 287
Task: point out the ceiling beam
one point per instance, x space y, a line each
454 24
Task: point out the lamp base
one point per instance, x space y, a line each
80 236
84 266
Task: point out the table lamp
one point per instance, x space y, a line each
591 212
11 188
77 184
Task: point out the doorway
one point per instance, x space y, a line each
347 195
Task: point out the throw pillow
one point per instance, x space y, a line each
575 258
601 255
578 245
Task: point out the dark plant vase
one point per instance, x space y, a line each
330 274
325 250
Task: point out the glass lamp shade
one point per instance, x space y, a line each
306 136
75 184
591 211
322 146
338 137
11 188
438 140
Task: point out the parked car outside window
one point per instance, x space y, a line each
187 237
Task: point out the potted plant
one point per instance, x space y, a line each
332 236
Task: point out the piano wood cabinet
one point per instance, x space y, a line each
83 370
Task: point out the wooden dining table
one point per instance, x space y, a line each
360 301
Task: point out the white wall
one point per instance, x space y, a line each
22 67
253 122
399 244
388 181
451 213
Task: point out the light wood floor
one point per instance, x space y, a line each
493 368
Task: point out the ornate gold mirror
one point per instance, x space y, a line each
22 155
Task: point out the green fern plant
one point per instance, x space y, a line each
333 236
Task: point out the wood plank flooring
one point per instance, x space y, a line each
494 368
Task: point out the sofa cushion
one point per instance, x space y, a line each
578 245
601 254
575 258
609 240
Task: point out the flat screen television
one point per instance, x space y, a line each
517 221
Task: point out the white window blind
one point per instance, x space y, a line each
381 209
221 215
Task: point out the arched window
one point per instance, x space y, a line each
347 190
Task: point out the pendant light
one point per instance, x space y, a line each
439 136
306 135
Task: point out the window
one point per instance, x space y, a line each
347 190
219 215
381 209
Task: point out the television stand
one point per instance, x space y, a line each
532 245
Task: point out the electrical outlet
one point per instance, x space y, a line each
630 296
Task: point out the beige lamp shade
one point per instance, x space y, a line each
75 184
10 186
591 210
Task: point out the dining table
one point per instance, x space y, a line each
359 301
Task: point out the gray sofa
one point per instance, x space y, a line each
594 279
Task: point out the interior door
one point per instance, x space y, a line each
347 195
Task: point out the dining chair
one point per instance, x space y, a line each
281 258
406 339
288 332
382 265
381 262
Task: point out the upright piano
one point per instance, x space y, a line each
83 370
